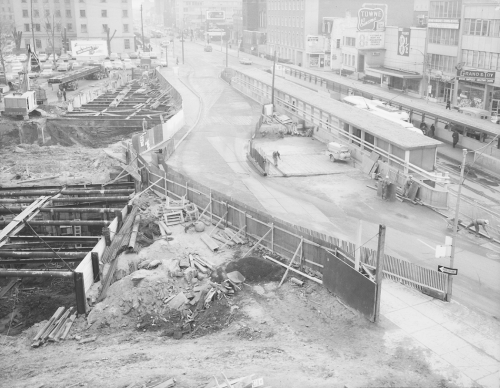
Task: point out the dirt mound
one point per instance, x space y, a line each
256 269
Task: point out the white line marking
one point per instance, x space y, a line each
433 248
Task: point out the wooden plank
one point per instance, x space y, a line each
294 270
209 242
291 262
6 288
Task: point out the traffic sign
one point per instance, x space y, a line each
449 271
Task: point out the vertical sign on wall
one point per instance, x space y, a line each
404 41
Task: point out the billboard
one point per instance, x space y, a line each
216 15
404 35
372 19
370 40
477 76
315 44
89 48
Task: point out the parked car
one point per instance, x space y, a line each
128 64
208 48
124 56
63 66
118 65
337 151
153 55
33 75
113 57
108 65
72 85
163 62
47 73
42 57
245 61
76 65
64 57
133 55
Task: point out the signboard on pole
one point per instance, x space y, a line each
216 15
447 270
371 19
404 35
92 49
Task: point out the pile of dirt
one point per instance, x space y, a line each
256 269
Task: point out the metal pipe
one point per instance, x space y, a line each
59 209
20 193
24 273
39 261
41 254
62 223
76 239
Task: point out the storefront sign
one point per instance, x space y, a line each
452 24
370 40
314 60
315 44
477 76
371 19
404 35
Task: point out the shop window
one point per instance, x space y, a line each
369 139
356 136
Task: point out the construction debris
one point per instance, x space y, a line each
56 329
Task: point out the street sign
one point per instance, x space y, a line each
449 271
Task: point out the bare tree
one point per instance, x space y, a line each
17 35
109 39
50 30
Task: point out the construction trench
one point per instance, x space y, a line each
148 249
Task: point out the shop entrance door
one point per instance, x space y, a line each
495 108
396 83
448 92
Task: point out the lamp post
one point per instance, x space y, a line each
274 76
455 226
425 72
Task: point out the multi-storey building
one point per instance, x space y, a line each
479 56
254 26
6 11
51 20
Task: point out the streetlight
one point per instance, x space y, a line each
455 225
274 76
425 71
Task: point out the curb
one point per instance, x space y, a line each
256 165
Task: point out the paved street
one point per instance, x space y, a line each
214 154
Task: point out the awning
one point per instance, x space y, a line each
394 73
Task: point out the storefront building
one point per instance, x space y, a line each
478 75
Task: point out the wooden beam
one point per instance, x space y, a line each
291 262
258 242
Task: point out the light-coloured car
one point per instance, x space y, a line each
145 55
124 56
47 73
64 57
108 65
118 65
133 55
163 62
63 66
245 61
113 57
42 57
128 64
153 55
76 65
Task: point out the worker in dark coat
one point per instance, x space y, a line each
385 183
479 222
455 138
432 131
407 185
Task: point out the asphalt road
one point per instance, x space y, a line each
214 154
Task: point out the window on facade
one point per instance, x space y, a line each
481 27
68 13
444 36
443 62
26 28
83 28
47 13
83 13
27 42
125 28
37 27
69 27
58 27
125 13
338 43
124 1
25 13
126 43
103 1
24 1
82 1
38 43
481 59
48 26
104 13
36 13
444 9
58 13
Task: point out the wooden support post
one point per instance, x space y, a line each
107 236
81 303
379 267
245 222
217 225
119 218
291 262
95 266
272 237
211 210
227 214
204 210
258 242
187 192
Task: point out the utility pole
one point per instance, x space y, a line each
227 57
237 44
166 53
182 41
142 28
33 28
274 76
379 274
455 226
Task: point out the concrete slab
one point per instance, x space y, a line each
410 320
490 381
390 303
439 340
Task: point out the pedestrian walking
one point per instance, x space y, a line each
276 156
64 93
432 131
177 61
59 95
423 128
385 186
455 138
407 185
479 222
448 105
